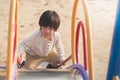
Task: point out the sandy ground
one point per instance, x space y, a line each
102 13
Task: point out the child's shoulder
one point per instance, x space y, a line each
34 34
56 33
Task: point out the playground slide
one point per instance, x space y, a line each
114 62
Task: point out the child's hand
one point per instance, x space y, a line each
21 65
20 61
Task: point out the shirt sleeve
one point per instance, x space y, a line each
21 48
59 46
24 45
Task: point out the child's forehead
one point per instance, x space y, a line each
50 27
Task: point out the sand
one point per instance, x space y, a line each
102 13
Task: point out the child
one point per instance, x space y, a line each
39 46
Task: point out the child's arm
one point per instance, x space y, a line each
21 53
59 47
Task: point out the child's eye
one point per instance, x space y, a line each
51 28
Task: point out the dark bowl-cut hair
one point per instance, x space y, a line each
50 19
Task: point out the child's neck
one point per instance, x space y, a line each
48 39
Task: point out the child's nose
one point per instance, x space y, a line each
48 30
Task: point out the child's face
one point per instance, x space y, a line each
47 32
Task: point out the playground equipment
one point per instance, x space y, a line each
89 40
11 69
114 62
46 74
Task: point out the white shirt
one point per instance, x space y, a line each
36 44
